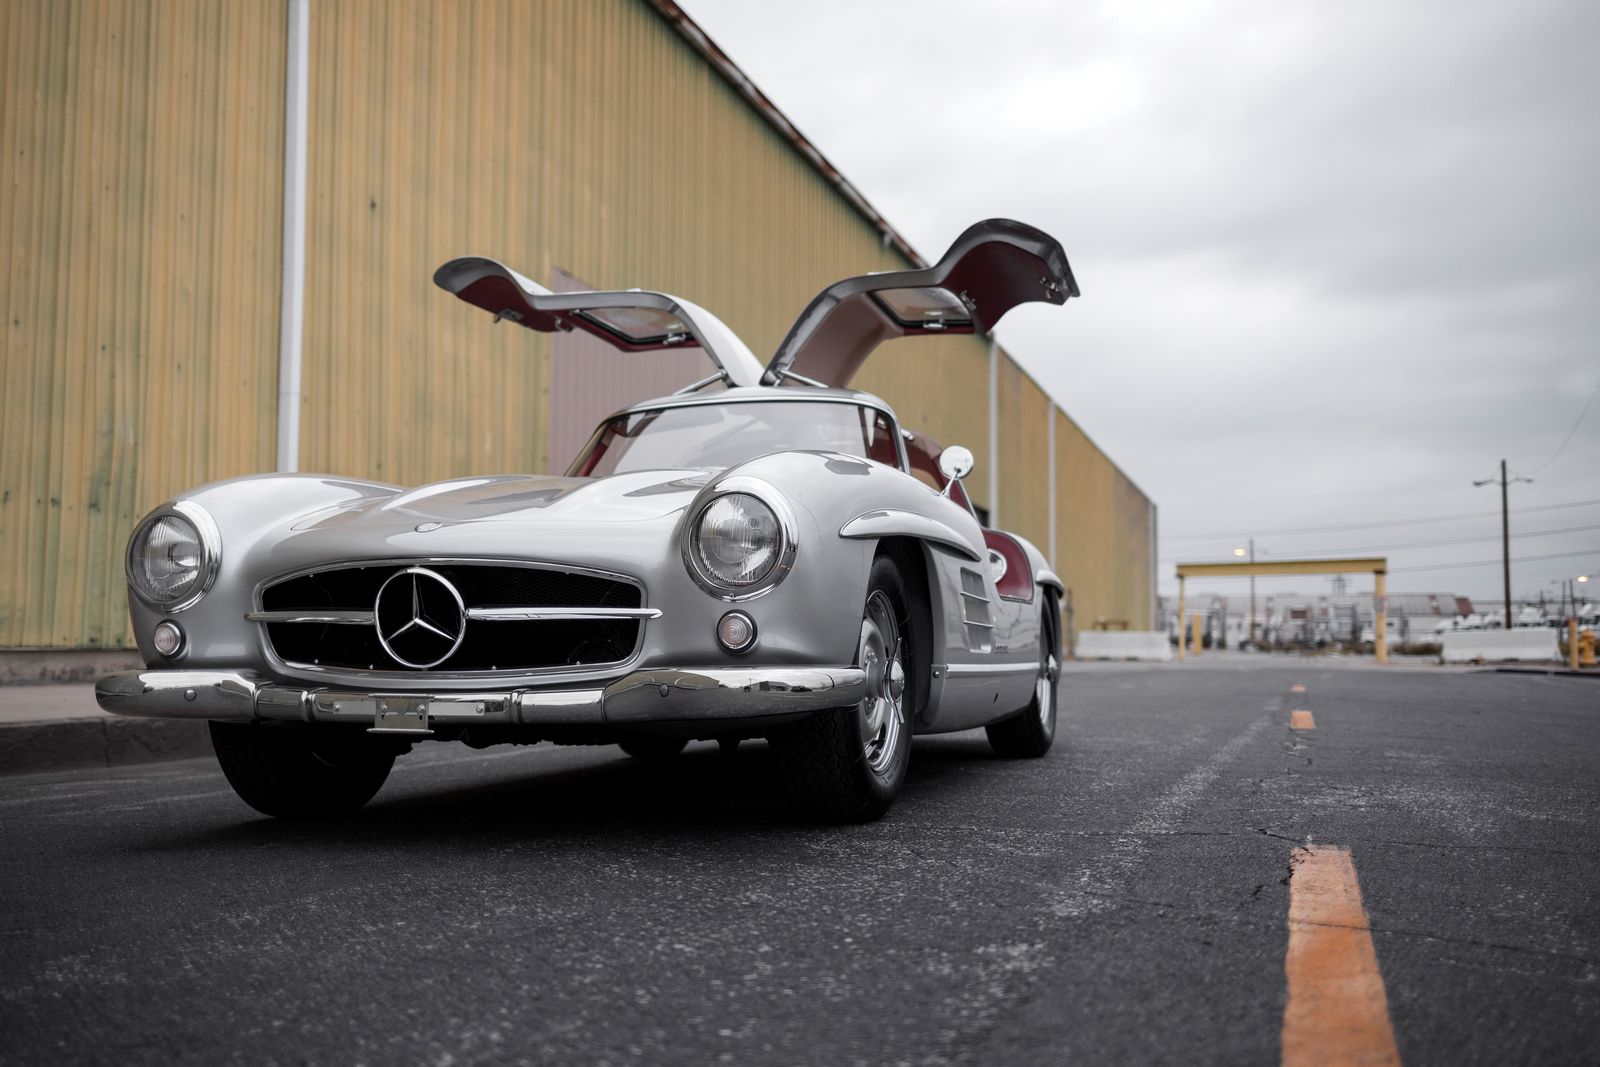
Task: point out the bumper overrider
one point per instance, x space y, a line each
644 696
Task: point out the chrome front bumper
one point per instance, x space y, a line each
641 697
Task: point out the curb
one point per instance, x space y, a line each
1563 672
75 744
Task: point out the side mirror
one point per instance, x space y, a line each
955 463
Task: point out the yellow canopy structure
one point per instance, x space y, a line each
1377 565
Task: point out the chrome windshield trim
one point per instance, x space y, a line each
533 614
334 618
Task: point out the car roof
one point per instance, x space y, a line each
759 394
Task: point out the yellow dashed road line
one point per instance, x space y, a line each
1338 1010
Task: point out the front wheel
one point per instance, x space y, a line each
297 775
847 764
1030 734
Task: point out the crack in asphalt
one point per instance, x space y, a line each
1448 940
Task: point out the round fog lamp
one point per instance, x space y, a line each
168 638
736 631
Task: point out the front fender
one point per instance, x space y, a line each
247 511
852 504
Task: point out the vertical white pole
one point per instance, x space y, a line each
292 309
1050 468
994 434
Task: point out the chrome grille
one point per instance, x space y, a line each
519 617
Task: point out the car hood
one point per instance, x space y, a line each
640 496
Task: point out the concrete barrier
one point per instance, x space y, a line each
1123 644
1496 646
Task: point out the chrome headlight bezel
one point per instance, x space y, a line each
207 536
788 543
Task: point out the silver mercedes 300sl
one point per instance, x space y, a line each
764 553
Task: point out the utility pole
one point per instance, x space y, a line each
1505 532
1505 543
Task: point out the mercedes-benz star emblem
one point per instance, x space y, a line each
420 616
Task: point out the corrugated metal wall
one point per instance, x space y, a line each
1024 467
142 235
1103 550
938 385
140 230
580 135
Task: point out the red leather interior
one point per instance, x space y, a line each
882 450
1017 582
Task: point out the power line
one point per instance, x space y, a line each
1374 525
1441 544
1496 562
1567 440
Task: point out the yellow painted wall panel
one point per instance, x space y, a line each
140 231
1103 533
938 385
1024 414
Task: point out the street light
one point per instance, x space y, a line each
1251 552
1569 592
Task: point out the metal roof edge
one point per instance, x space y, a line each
730 71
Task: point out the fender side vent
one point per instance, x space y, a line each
976 611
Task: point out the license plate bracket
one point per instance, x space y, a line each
401 715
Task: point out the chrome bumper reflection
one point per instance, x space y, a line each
645 696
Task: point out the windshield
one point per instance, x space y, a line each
722 435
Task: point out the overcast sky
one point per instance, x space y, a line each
1337 259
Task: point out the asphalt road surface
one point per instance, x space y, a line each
1126 899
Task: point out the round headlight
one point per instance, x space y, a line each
170 562
737 541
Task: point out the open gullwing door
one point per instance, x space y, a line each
990 269
633 320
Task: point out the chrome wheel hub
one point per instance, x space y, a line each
1045 688
881 714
